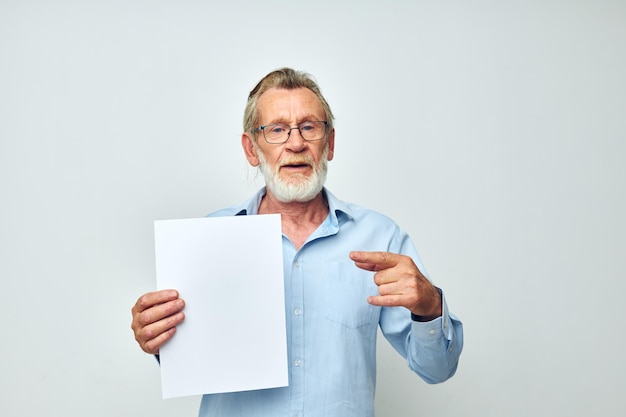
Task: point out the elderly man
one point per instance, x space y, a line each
347 271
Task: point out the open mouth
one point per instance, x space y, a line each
296 165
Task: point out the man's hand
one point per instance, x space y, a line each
155 317
400 283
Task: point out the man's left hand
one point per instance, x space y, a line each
400 283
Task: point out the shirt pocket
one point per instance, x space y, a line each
346 289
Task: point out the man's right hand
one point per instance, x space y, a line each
155 317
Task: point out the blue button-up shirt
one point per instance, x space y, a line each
331 329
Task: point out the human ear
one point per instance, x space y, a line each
331 145
248 149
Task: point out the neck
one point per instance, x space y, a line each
298 219
304 211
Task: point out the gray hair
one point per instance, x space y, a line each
287 79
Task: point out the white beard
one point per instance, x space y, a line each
300 188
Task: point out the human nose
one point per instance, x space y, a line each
297 141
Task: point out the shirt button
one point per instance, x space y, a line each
297 311
297 363
432 331
296 264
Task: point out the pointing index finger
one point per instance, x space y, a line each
374 261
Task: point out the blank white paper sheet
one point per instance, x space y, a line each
229 271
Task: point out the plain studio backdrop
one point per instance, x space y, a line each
492 131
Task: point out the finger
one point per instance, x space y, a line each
390 286
158 312
153 336
154 346
151 299
385 277
386 300
374 261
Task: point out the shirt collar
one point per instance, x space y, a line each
336 207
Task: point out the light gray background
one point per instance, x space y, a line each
492 131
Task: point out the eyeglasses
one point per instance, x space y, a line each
279 133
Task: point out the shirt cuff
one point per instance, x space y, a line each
441 326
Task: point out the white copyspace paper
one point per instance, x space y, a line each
229 271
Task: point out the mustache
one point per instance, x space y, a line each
297 160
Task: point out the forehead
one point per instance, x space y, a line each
280 105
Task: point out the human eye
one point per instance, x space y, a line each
307 126
276 129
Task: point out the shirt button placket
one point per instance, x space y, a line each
297 337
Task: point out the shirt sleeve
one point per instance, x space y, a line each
432 349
